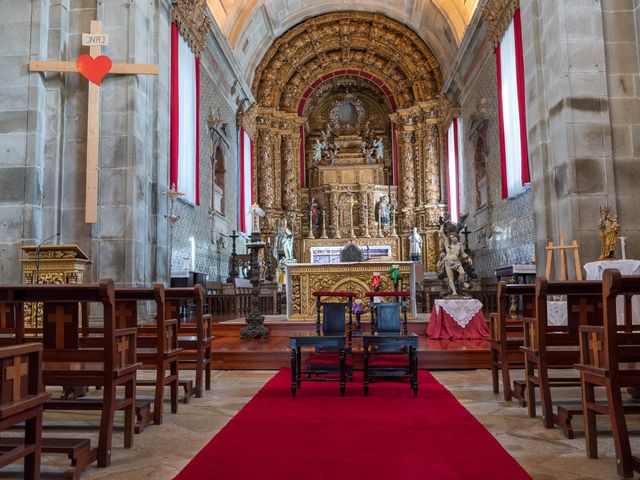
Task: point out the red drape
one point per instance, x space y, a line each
503 153
517 25
243 223
175 102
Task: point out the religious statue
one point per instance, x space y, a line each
332 152
379 148
415 246
384 211
256 214
318 148
314 212
283 243
368 153
609 229
451 260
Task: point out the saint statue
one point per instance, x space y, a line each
609 229
379 148
317 151
314 212
384 211
415 246
283 243
451 260
368 153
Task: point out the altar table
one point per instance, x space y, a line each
462 318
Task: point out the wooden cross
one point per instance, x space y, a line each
123 348
584 308
93 66
15 373
595 345
123 314
60 318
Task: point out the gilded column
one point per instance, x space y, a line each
420 162
289 190
432 164
408 171
276 145
265 185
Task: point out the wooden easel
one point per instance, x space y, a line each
562 248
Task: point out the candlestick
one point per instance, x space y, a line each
623 247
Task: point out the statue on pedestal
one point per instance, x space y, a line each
379 148
384 211
415 246
609 229
283 243
451 260
318 148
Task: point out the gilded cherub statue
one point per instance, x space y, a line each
609 229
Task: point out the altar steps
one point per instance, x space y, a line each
231 353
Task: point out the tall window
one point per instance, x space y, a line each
219 173
185 110
511 107
453 151
245 180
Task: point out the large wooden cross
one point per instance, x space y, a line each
93 67
15 373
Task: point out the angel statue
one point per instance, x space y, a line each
317 151
379 148
368 153
609 229
451 260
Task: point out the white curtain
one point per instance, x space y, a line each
510 113
452 177
462 203
187 121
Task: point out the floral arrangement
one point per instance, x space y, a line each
358 308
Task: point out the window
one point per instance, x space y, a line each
219 173
185 110
245 175
511 107
453 195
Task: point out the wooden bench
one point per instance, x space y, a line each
11 324
22 399
194 337
507 336
610 358
105 360
156 345
557 347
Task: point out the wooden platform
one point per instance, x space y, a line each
231 353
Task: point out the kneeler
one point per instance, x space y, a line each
333 321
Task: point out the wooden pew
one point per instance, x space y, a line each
506 336
11 324
557 347
22 398
610 358
157 344
107 364
194 337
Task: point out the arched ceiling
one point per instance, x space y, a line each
251 26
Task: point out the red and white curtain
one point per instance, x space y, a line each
185 110
454 152
512 114
245 180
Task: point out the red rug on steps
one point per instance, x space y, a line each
319 435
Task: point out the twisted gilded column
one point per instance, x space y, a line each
265 185
289 183
408 171
432 164
276 145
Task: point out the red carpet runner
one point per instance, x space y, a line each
319 435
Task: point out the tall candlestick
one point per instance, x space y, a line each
623 247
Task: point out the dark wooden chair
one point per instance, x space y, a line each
22 399
332 319
195 337
610 358
557 347
105 359
506 336
389 349
156 343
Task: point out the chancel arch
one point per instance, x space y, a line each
347 115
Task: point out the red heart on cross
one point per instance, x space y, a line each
93 69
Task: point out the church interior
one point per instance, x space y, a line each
267 239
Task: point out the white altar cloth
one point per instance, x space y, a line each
461 310
626 267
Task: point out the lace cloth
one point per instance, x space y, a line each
626 267
557 313
462 311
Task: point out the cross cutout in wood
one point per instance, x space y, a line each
124 315
171 310
584 308
15 373
60 318
6 315
93 67
168 337
123 348
595 345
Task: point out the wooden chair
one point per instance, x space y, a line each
557 347
332 321
194 337
156 344
506 336
105 360
610 358
389 349
22 398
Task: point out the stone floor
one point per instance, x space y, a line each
160 452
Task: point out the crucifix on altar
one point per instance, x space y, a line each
93 67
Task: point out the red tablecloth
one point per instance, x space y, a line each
442 325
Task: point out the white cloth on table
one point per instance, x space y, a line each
461 310
626 268
557 312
